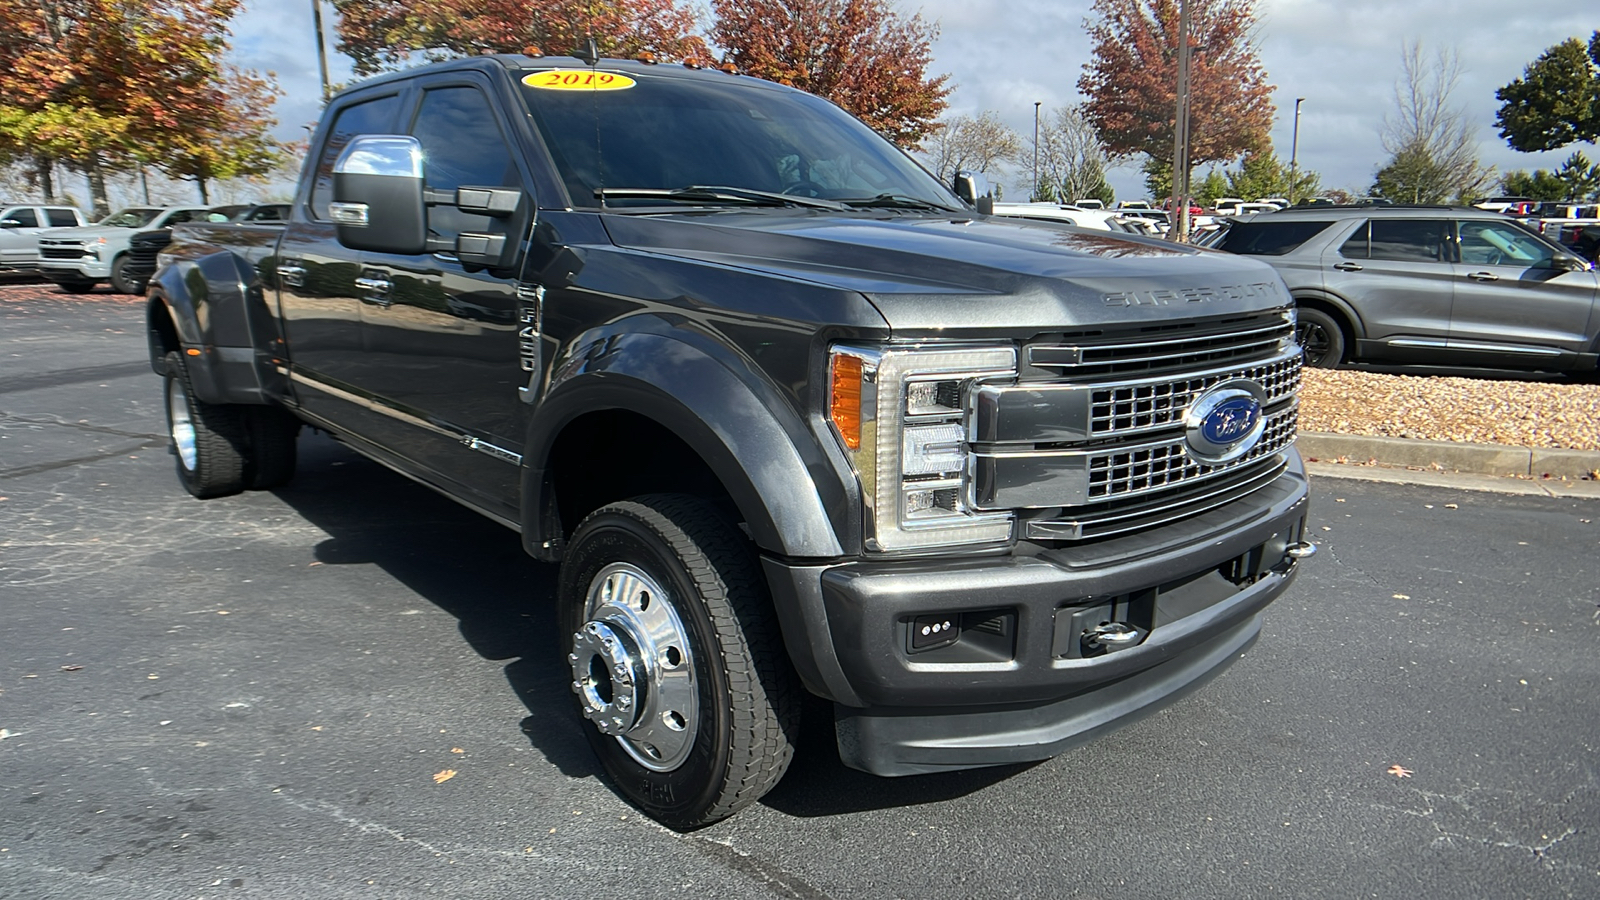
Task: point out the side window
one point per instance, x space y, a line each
181 216
25 216
371 117
1495 244
461 147
1357 246
61 218
1408 240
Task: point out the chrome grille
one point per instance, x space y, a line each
1150 467
1152 405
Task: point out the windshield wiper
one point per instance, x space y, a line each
898 201
698 193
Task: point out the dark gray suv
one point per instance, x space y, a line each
1434 285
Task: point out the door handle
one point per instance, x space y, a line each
292 275
1347 267
374 290
1484 276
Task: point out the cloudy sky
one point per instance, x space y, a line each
1342 56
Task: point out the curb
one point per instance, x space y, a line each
1469 459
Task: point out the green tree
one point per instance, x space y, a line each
1556 102
1264 175
1580 177
1214 185
1539 184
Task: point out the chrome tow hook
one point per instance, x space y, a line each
1301 550
1111 636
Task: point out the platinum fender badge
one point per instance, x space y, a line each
1225 422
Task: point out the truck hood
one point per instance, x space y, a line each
938 274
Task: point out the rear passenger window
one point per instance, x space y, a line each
372 117
25 217
1408 240
61 218
1269 238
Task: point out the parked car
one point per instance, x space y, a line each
77 259
21 224
1099 219
145 247
1437 285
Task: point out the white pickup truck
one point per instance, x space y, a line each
80 258
21 224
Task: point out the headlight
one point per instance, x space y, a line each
901 414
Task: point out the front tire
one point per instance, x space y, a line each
121 281
676 659
76 287
208 439
1321 337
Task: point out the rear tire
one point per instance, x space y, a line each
208 439
1321 337
677 661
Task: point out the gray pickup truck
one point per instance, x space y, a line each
789 413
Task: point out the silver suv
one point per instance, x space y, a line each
1433 285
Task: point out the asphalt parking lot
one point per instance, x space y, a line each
349 688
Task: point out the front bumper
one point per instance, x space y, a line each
74 270
1024 687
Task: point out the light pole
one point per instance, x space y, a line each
322 47
1034 193
1180 131
1294 152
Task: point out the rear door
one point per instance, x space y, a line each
1398 276
1513 306
317 295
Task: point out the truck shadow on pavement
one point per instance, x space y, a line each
504 603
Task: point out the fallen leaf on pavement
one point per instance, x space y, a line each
1399 771
442 777
1402 596
72 668
457 750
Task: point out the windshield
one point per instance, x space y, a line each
136 217
665 133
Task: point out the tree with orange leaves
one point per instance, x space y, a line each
390 34
102 85
860 54
1131 80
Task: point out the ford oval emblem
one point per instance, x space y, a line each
1225 422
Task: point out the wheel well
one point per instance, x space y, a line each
612 455
163 333
1331 311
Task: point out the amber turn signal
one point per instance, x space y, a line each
844 398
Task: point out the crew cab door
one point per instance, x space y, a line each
316 278
441 336
1514 305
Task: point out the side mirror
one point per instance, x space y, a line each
974 188
1566 262
10 223
378 195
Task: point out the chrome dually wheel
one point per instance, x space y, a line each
633 669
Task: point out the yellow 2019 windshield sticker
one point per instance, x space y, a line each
578 80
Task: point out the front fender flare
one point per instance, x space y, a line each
760 449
